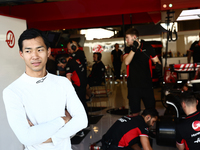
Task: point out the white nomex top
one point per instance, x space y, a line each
43 102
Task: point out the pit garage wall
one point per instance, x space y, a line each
183 43
12 66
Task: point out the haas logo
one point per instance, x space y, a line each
97 48
10 39
196 125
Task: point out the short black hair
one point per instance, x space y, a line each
31 34
116 44
188 97
150 111
133 31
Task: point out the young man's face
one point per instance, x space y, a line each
116 46
35 55
130 39
95 57
151 121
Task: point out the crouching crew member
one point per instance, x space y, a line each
127 132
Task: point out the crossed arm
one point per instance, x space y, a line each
66 118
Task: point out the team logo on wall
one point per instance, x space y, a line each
97 48
10 39
196 125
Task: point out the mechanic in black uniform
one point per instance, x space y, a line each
188 130
116 58
139 81
75 73
195 52
97 75
127 132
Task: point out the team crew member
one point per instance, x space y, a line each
195 51
77 54
97 75
75 73
116 58
188 130
35 103
139 80
127 132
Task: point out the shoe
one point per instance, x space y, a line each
80 134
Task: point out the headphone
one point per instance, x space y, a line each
99 55
73 46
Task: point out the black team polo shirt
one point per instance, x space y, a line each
138 70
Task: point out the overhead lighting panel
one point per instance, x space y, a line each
193 14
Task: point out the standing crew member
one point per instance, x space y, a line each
188 130
35 103
127 132
97 75
116 58
76 74
77 54
139 80
195 52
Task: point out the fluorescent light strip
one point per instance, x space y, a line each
190 12
189 15
181 18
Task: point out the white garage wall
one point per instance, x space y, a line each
11 68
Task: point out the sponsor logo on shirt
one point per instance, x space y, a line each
195 134
67 68
41 80
144 50
127 117
78 61
122 120
82 70
196 125
197 141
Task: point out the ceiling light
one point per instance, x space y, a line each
182 18
170 5
189 15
